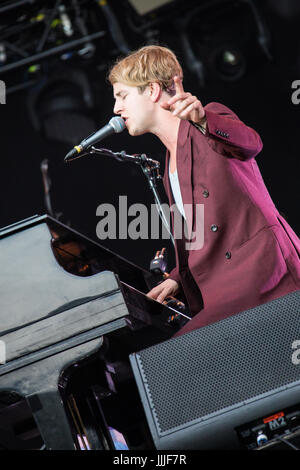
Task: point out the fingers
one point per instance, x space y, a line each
179 94
190 108
178 97
162 295
153 293
183 105
178 85
163 290
192 112
169 105
158 293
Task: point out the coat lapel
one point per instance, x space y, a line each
184 163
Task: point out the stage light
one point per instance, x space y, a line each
224 43
229 63
61 106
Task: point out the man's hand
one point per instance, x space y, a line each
184 105
167 288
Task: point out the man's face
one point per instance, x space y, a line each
134 107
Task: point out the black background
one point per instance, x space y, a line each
261 98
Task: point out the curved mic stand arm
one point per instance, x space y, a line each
150 169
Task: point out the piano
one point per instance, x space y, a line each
71 313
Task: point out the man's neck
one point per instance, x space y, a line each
166 130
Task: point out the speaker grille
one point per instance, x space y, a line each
223 364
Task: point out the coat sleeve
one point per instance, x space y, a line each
225 128
174 274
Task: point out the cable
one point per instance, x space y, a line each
114 27
49 20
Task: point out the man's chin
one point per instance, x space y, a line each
135 132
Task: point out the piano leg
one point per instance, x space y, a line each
38 382
50 417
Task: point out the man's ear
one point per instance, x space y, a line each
155 91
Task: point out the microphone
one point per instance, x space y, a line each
115 125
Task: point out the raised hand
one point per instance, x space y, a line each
184 105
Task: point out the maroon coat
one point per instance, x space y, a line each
250 254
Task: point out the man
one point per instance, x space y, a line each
250 254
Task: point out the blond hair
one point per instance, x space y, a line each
146 65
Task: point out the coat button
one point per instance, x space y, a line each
205 193
228 255
214 228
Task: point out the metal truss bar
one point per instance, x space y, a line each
15 5
55 50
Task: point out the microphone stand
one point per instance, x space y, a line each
47 185
150 169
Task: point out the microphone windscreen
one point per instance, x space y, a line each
118 124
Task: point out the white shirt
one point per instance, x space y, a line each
174 182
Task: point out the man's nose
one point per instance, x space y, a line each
117 108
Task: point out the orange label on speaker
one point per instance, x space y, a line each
273 417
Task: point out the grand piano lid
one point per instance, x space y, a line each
34 284
33 220
59 230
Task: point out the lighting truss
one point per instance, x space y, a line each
32 30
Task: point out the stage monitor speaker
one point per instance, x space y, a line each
230 385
